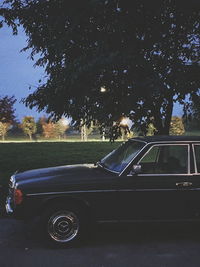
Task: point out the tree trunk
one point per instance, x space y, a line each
158 123
103 136
83 133
30 136
163 125
168 116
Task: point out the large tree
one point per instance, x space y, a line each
144 54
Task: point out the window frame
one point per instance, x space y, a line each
169 174
194 157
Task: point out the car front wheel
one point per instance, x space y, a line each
63 226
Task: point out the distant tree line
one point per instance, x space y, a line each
28 126
43 128
47 128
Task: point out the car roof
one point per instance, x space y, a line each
167 138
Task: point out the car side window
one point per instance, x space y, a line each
197 156
150 160
165 159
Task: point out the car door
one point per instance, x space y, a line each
161 190
194 198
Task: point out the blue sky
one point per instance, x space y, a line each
17 72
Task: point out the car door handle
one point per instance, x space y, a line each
184 184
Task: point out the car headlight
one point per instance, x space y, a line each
12 181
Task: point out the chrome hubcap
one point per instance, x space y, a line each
63 226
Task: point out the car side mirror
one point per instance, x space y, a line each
136 169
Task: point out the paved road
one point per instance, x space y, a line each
124 246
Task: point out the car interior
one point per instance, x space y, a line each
165 159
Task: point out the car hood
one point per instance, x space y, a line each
62 175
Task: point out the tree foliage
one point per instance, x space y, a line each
61 127
7 114
54 129
151 130
4 127
40 122
7 111
177 126
144 53
29 126
49 129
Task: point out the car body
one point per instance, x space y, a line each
145 179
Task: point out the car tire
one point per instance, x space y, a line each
63 226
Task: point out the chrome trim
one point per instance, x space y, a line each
170 174
98 164
63 226
166 189
171 142
9 209
12 181
189 160
138 140
71 192
184 184
105 191
156 189
196 219
164 174
169 189
194 156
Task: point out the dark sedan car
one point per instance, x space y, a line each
145 179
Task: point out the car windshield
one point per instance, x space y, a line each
118 159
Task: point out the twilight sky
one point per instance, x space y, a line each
17 71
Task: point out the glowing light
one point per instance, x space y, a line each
124 121
103 89
66 121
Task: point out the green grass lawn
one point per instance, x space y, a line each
25 156
194 132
